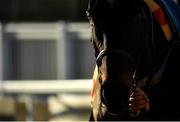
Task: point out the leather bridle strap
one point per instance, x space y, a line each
106 52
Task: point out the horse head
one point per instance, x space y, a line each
118 50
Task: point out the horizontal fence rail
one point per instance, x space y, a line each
46 86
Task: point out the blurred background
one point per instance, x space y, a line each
46 60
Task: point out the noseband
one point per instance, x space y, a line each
99 58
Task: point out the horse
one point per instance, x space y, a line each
130 49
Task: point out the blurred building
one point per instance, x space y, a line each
50 48
43 43
46 51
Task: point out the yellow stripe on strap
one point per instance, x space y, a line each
153 5
167 31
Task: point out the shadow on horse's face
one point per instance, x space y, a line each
116 73
113 51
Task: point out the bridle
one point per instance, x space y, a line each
133 83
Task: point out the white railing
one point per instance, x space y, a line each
47 87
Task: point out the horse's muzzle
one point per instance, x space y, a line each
115 96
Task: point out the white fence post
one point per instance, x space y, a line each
1 57
61 54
